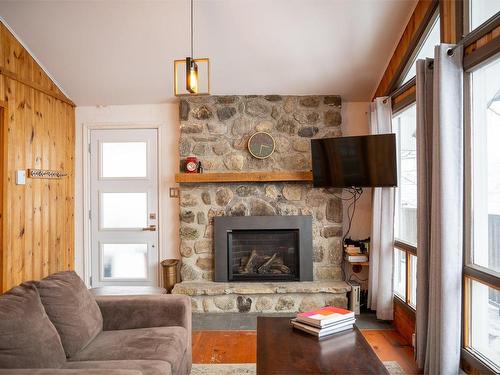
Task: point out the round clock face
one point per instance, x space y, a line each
191 166
261 145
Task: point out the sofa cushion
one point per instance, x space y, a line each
72 309
160 343
28 339
63 371
148 367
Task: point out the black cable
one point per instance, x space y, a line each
356 194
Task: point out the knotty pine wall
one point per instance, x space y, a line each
39 131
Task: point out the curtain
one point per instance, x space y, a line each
440 210
380 290
425 76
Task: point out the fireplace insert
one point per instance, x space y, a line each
266 254
263 248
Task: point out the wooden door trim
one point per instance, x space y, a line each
3 185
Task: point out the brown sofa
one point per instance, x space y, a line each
55 326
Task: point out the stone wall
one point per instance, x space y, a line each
216 129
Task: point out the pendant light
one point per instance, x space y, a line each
192 68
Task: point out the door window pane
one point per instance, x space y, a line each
124 210
485 322
432 39
405 221
400 273
412 298
124 159
481 11
124 261
486 166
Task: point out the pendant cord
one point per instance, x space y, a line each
192 29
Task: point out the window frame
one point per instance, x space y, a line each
408 99
480 30
470 271
415 46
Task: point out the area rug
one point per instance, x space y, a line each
249 369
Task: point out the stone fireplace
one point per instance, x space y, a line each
291 276
263 248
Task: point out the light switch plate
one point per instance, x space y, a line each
20 177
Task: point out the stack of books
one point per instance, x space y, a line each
325 321
354 254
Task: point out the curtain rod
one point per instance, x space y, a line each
403 88
480 31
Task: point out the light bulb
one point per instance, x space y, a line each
191 76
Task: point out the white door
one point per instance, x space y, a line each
124 207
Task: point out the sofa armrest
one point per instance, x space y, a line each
62 371
129 312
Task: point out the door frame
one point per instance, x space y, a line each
4 141
87 243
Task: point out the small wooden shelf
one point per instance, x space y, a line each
304 176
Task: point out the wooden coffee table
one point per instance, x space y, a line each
283 350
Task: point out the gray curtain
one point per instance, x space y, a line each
425 76
440 210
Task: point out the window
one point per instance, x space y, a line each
430 40
480 11
484 327
482 262
405 127
400 274
485 135
405 219
412 282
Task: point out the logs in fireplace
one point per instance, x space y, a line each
260 248
258 263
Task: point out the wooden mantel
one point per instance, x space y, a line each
304 176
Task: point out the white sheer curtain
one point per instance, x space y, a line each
380 289
440 199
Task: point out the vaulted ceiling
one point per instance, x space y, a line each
122 52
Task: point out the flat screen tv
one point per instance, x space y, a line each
362 161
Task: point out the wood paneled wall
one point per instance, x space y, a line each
404 320
39 130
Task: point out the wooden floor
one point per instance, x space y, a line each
241 347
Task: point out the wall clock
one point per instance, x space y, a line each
261 145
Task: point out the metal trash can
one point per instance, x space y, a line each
169 273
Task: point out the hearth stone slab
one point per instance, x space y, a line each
263 297
200 288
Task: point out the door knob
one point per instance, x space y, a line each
151 228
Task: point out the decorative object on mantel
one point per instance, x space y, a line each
193 67
261 145
191 164
46 173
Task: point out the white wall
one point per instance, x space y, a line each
164 115
355 121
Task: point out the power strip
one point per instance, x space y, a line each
354 297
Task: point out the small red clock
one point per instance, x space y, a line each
191 164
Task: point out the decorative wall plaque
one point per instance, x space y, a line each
46 173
